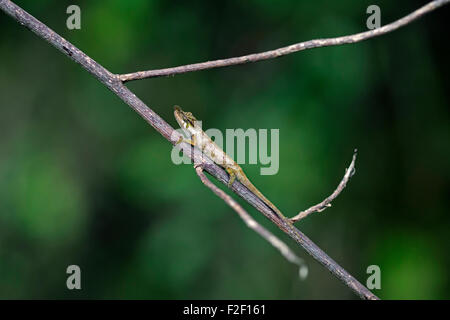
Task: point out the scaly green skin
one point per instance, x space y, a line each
202 141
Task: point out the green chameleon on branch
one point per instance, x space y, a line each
202 141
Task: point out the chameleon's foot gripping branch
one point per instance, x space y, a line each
254 225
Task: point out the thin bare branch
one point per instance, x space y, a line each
317 43
254 225
349 172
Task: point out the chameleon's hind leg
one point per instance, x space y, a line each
232 174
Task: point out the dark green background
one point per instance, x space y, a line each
84 180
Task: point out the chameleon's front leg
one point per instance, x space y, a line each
182 139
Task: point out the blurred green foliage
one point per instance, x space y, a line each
83 180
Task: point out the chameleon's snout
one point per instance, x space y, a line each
176 108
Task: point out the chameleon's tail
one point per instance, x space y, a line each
277 243
286 223
258 193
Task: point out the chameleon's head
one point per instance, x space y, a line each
184 119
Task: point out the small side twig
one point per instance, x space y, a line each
254 225
349 172
311 44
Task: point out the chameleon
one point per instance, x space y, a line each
202 141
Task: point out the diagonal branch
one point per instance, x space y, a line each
255 226
349 172
317 43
